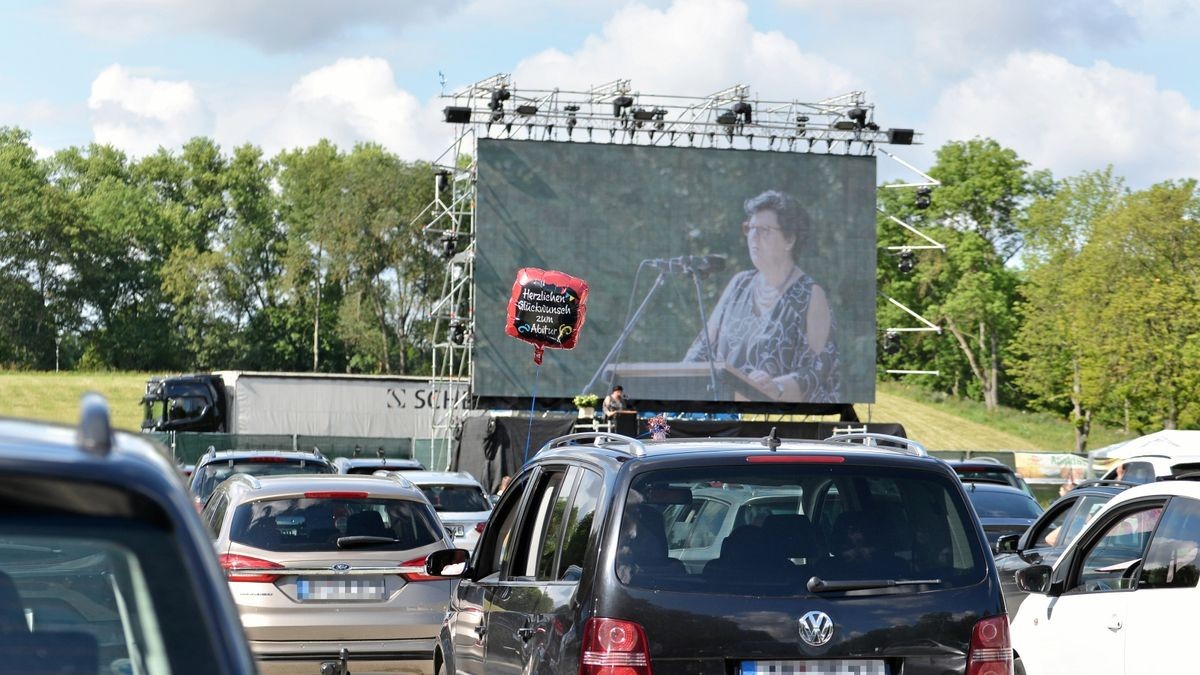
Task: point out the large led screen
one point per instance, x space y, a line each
773 252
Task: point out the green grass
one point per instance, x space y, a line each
940 423
55 397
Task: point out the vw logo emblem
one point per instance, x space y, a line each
816 628
341 567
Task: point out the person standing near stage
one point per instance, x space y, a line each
615 403
774 322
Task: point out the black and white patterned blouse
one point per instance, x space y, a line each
775 343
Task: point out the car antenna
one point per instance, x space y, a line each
771 440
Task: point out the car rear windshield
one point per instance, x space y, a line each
212 475
455 498
77 591
991 504
768 529
325 523
994 476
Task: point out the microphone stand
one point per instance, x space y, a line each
620 343
712 368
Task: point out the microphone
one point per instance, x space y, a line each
702 265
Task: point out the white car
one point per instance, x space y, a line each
1120 598
460 501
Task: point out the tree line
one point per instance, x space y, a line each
1072 295
198 260
1075 295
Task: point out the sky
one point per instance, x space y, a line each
1070 85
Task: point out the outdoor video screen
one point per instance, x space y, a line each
713 274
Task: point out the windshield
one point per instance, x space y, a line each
769 529
211 475
989 504
317 524
456 498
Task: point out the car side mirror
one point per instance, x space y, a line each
1008 543
493 499
450 562
1034 579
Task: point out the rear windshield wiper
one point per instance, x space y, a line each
361 541
819 585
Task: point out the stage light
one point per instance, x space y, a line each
660 115
858 116
727 117
900 136
643 115
449 245
497 115
872 126
527 109
923 197
844 125
456 114
571 120
443 180
743 110
801 124
891 342
620 103
458 332
908 260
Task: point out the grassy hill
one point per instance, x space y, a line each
939 423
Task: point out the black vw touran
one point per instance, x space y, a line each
859 554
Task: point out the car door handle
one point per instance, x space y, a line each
525 632
1114 623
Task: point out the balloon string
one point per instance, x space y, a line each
537 375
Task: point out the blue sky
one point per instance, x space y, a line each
1069 84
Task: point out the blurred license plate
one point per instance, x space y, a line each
815 667
457 530
363 588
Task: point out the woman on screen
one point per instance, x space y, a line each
774 322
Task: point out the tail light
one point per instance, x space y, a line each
245 568
479 526
991 649
614 647
417 576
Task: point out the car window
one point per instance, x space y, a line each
496 546
579 525
1048 533
1138 472
456 498
990 504
695 525
1110 562
540 534
325 523
1089 506
904 525
1171 560
989 475
76 592
214 514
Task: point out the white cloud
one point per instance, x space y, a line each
271 25
957 36
693 47
1071 118
139 114
350 101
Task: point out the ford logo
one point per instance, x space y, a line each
341 567
816 628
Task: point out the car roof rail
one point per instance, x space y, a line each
984 479
908 447
632 446
1189 475
396 476
987 460
246 478
1105 482
95 434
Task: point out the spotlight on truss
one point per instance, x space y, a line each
908 260
891 342
923 197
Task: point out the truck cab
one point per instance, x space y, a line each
185 403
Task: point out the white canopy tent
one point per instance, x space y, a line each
1167 442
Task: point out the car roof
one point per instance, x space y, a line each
259 487
1179 488
373 461
440 478
973 464
851 444
226 455
985 486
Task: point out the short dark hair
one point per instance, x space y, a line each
618 388
792 218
